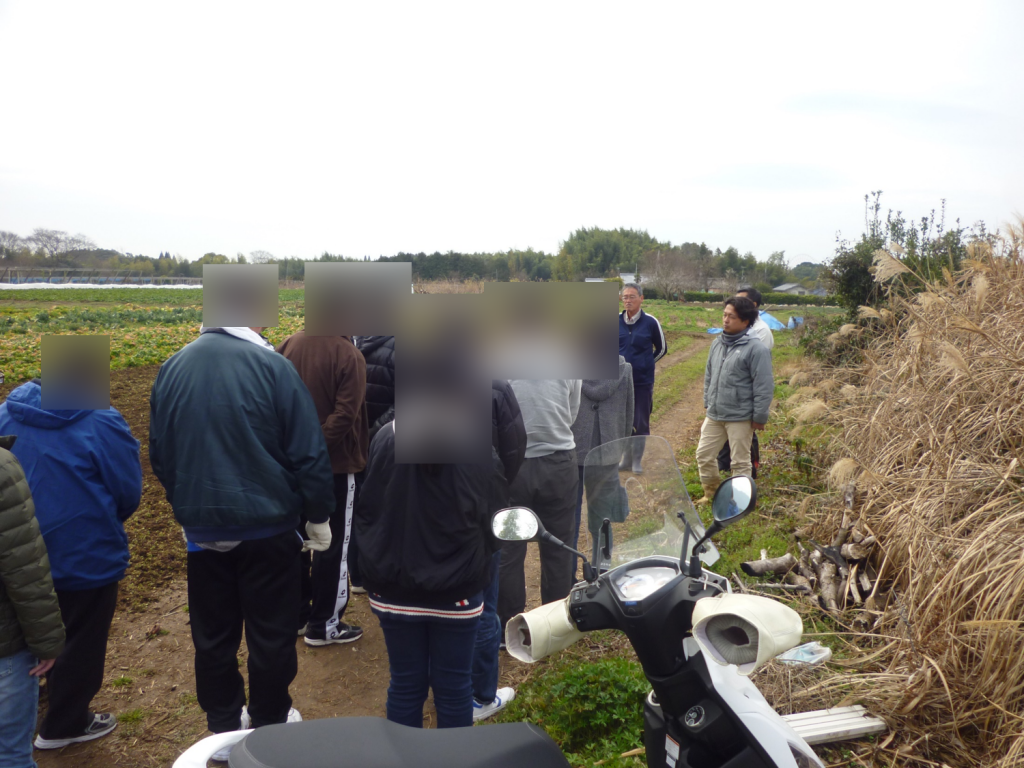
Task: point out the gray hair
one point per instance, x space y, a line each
635 287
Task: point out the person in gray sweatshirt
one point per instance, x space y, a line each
605 415
546 483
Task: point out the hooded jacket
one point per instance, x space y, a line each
379 353
86 479
606 411
508 431
29 614
425 531
738 383
235 440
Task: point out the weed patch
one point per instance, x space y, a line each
594 710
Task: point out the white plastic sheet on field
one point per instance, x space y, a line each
49 286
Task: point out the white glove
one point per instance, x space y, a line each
319 537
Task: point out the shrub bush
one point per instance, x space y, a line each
821 338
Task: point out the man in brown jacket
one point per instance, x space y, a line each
334 371
31 632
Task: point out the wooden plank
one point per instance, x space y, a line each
839 724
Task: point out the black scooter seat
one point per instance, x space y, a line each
373 742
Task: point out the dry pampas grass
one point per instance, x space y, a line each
886 266
842 472
939 430
799 379
809 411
802 394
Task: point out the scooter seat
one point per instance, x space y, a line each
373 742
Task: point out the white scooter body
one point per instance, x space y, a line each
773 732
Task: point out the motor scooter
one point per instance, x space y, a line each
696 641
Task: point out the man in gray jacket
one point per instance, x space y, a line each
605 415
738 390
546 483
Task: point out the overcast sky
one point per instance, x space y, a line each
373 128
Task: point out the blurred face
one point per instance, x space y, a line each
743 294
731 322
632 301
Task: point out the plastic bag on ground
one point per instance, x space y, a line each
807 654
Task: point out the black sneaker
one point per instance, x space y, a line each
101 725
342 633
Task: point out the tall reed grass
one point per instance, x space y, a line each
932 428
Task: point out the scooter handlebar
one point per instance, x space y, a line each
536 634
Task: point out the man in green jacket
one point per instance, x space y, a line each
235 440
31 632
738 390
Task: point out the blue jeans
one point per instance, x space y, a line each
435 654
488 636
19 700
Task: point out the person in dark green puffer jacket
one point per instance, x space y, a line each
31 632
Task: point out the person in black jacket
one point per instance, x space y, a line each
379 353
426 558
235 439
508 438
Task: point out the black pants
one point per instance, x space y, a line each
255 585
329 574
547 485
78 672
725 457
643 404
354 574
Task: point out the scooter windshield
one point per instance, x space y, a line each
643 506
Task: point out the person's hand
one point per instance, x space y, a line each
319 537
757 427
42 667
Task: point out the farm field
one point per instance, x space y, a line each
147 325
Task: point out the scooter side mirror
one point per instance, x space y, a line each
734 500
522 524
516 524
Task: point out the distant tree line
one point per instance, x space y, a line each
587 253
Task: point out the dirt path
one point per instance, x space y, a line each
681 424
150 681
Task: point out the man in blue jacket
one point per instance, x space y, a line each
84 473
235 439
642 343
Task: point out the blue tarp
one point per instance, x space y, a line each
794 322
772 322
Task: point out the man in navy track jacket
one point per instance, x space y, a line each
642 343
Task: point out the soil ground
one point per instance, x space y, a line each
150 682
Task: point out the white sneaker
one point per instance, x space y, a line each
221 755
358 590
483 711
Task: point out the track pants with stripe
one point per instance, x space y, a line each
330 568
